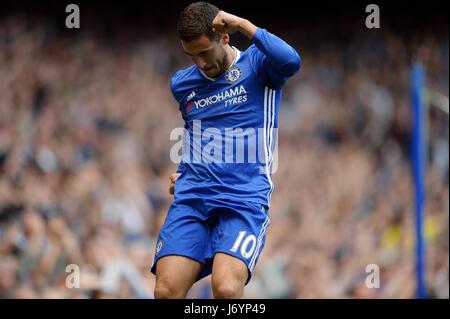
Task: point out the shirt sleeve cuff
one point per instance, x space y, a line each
257 34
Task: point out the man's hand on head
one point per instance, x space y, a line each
173 179
226 23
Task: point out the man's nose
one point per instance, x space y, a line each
201 63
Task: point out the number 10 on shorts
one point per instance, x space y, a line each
247 245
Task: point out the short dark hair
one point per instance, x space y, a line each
196 20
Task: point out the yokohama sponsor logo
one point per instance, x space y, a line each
220 96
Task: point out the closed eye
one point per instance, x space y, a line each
203 53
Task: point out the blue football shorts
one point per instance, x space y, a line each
198 228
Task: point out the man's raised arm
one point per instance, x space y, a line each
281 55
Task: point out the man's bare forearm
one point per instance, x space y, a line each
247 28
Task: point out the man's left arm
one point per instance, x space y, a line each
278 60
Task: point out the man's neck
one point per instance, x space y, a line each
230 57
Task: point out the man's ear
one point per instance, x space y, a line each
225 39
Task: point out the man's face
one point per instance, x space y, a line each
209 56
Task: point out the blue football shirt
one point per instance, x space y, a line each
231 121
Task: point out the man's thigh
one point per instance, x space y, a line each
240 233
177 274
184 233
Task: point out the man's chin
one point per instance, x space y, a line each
212 73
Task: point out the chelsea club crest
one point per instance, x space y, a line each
159 246
233 74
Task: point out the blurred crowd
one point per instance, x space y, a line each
85 124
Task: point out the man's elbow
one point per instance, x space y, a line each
293 65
